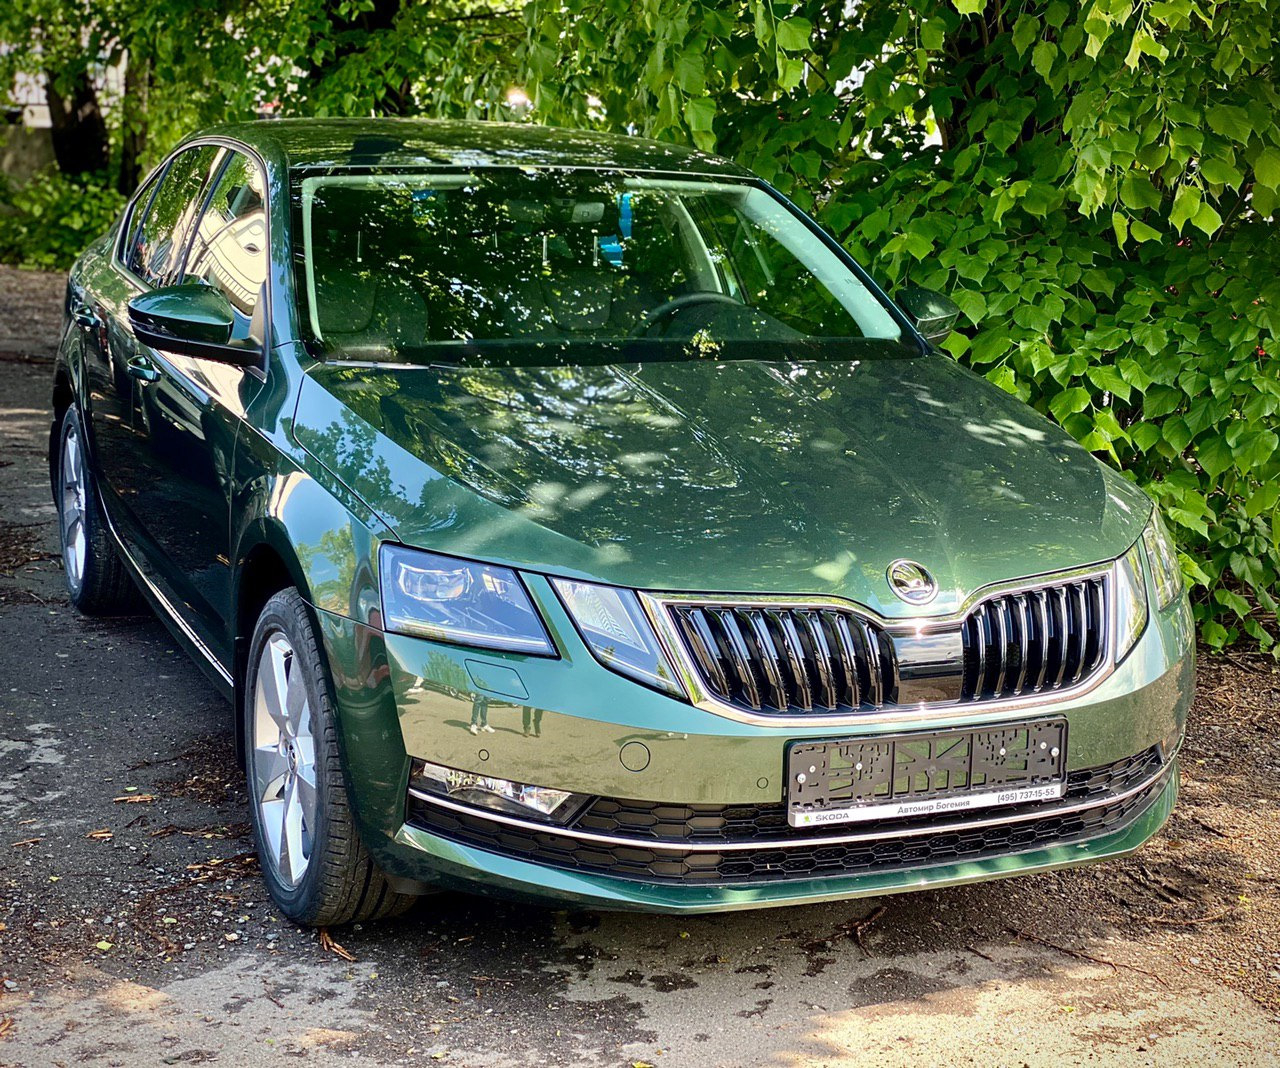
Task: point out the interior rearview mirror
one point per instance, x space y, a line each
192 320
934 314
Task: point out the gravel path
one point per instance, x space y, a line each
134 931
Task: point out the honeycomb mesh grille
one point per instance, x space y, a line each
782 852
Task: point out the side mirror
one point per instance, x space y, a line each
934 314
191 320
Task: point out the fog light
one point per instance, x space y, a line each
500 795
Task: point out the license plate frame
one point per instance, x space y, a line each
923 773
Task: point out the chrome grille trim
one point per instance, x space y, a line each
850 637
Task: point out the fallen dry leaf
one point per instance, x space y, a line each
27 842
6 1025
329 945
100 836
134 799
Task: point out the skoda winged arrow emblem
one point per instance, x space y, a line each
912 582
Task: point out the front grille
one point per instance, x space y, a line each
1049 638
776 659
782 659
775 861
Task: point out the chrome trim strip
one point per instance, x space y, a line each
657 604
167 605
672 846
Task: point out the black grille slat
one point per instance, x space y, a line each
769 658
1017 644
823 660
739 657
775 659
706 650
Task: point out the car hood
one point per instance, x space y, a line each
733 476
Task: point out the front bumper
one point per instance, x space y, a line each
572 724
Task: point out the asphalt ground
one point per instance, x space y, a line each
134 930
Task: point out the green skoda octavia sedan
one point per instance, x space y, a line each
568 517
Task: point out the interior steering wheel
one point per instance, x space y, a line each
685 300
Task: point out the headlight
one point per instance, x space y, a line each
454 600
1162 559
1131 601
501 795
618 632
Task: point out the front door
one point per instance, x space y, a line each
194 408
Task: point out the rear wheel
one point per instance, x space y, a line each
97 581
315 866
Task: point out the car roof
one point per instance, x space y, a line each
307 143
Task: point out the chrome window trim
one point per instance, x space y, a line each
657 604
228 145
671 845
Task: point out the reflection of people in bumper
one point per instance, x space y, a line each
532 718
480 715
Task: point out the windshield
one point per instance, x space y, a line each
440 265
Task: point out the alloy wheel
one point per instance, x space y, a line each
283 761
74 545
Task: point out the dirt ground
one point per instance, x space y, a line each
134 930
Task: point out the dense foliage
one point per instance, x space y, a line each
45 222
1095 183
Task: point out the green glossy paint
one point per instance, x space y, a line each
787 475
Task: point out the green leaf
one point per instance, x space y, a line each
700 113
1214 455
1266 168
690 73
1141 232
793 34
1221 172
1185 205
1121 227
1230 122
1068 402
1207 219
1025 31
1042 57
970 7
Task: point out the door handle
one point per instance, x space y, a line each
141 368
84 316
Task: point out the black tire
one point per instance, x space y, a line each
98 582
340 883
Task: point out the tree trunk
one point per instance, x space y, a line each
79 131
133 134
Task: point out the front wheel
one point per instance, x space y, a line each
316 868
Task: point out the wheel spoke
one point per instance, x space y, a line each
296 711
293 860
273 678
272 825
269 769
305 786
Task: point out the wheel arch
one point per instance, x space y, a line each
267 564
63 399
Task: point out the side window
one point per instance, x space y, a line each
229 251
161 233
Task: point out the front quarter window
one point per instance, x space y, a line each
160 234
